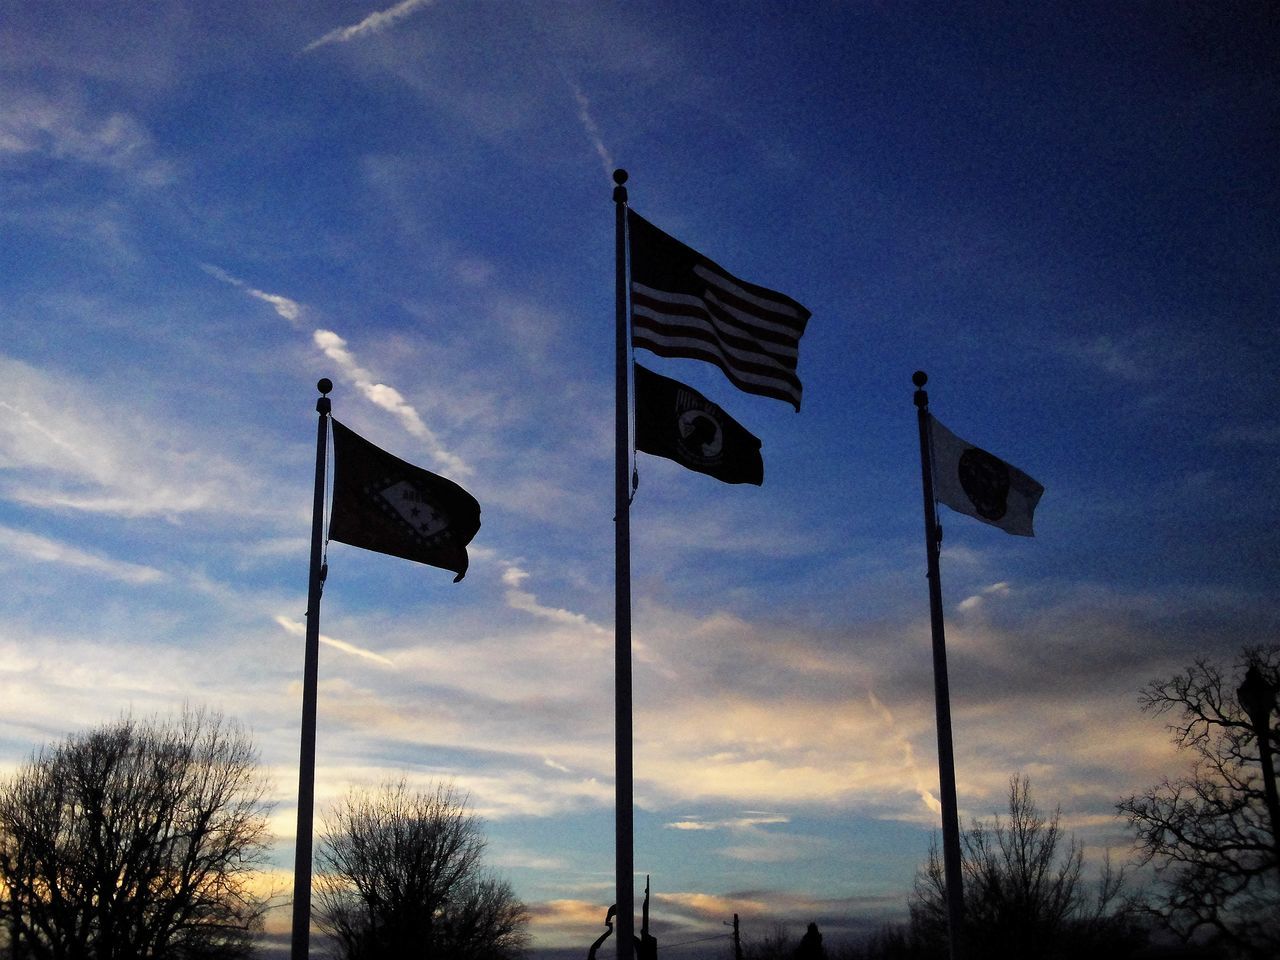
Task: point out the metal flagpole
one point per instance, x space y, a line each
624 831
942 695
300 943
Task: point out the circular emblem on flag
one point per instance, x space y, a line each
985 480
701 437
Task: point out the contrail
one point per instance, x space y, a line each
296 629
585 116
589 125
335 348
388 398
908 754
382 19
520 599
373 23
287 309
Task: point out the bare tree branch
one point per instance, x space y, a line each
1209 834
400 873
135 840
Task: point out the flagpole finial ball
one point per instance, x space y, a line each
619 176
919 378
325 385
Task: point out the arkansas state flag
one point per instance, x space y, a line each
976 483
383 504
679 423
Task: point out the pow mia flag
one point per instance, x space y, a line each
679 423
973 482
384 504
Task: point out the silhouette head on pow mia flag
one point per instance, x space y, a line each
675 421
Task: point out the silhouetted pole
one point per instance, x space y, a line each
300 943
624 822
1258 697
942 695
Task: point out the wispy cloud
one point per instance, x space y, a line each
98 458
374 23
582 914
976 600
908 754
335 348
713 906
35 547
519 599
1134 358
389 399
1250 434
592 130
746 821
287 309
296 629
64 130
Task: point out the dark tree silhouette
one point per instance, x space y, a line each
400 874
1211 834
810 947
778 942
136 840
1024 892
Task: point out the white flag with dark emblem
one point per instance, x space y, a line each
971 481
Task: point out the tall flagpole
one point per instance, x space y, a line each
301 941
942 695
624 829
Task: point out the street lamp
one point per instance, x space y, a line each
1258 698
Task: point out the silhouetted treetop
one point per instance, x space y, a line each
135 840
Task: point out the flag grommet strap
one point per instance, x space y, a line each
384 504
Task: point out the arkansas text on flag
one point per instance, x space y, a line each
684 305
971 481
679 423
383 504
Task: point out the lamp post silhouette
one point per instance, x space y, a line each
1258 698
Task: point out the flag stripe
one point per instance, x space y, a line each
650 326
784 340
700 314
685 305
758 335
757 300
693 349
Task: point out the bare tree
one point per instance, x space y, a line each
776 943
400 873
1024 892
136 840
1210 833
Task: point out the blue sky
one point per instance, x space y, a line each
1065 213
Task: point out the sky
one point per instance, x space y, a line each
1066 213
